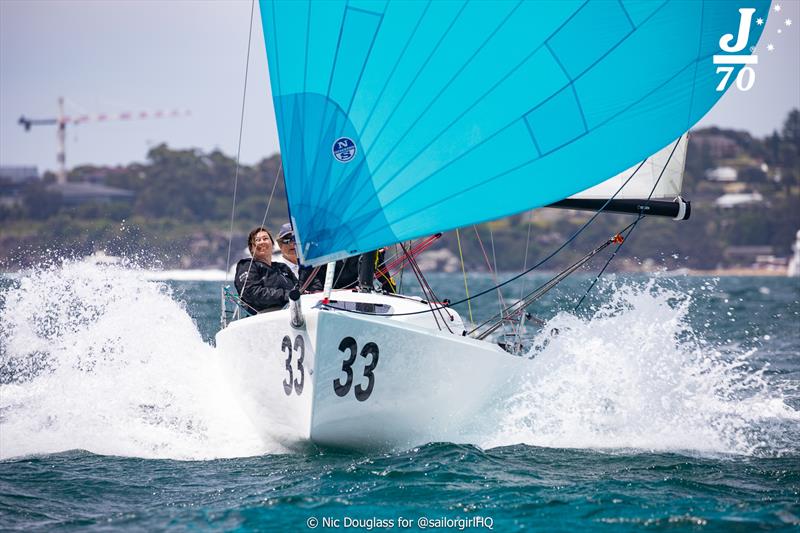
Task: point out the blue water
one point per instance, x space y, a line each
669 403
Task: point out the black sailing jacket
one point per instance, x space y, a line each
266 287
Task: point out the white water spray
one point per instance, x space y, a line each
637 376
96 357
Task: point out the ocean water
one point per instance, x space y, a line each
664 403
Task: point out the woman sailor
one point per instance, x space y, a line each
262 284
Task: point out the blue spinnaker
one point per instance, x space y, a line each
400 119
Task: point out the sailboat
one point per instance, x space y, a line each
398 120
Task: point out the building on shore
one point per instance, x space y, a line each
13 181
76 193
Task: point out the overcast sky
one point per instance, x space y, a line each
146 55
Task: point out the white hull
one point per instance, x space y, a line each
426 384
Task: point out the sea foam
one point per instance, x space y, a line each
636 375
103 358
96 357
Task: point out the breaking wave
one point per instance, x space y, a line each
96 357
103 358
637 376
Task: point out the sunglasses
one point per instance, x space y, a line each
286 240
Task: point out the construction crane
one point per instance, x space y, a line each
62 120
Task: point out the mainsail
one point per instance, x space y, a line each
400 119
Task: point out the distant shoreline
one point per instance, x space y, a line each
754 272
199 274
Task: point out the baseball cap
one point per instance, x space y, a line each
285 231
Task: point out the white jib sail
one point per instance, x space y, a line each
668 187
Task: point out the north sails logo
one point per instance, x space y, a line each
344 149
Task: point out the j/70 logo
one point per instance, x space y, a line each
746 77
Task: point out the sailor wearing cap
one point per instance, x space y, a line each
287 245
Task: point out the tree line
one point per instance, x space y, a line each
181 210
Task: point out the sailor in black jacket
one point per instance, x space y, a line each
262 284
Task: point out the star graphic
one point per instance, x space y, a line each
788 22
770 47
777 7
759 21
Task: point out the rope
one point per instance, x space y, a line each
402 270
428 297
500 300
239 147
384 276
238 301
522 285
309 279
263 221
494 260
608 262
531 269
433 297
525 258
544 288
464 271
632 227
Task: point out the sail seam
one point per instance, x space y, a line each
455 76
416 76
366 11
303 105
627 15
513 169
345 175
330 83
580 108
697 63
478 100
572 86
533 137
366 60
275 96
560 64
336 57
388 180
470 107
394 69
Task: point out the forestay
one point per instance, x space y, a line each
400 119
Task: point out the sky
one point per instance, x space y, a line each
147 55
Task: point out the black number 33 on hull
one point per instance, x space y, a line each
369 349
290 382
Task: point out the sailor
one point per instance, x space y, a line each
286 243
357 271
349 274
263 285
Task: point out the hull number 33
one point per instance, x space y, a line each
369 352
291 382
